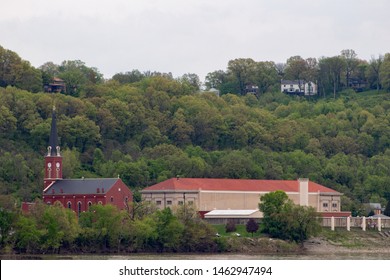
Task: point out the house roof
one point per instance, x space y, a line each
81 186
207 184
231 212
292 82
380 216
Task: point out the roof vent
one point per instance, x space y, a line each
97 190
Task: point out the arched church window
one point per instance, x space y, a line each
78 208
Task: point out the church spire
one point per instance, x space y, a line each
53 149
53 158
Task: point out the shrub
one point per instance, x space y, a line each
230 226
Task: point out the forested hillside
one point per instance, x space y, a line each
149 127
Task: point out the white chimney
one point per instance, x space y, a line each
303 191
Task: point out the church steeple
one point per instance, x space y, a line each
53 158
53 149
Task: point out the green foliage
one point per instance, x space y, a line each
104 224
148 127
385 72
168 229
6 221
285 220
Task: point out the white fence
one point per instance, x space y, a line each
356 222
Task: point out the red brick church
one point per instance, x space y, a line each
78 194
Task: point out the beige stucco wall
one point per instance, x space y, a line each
170 199
210 200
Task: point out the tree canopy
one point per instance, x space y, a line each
149 126
286 220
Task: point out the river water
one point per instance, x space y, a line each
303 256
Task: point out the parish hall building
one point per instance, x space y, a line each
240 196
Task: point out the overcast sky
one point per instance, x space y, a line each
190 36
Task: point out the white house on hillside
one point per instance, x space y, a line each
298 87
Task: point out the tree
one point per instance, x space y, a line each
16 72
10 65
7 218
271 204
168 230
374 71
351 62
71 163
7 121
59 226
295 68
330 73
230 226
105 223
27 235
385 72
128 77
285 220
265 75
252 226
303 223
191 80
79 132
216 79
242 69
77 75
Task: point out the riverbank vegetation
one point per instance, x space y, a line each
105 229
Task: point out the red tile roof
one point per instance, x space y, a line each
206 184
336 214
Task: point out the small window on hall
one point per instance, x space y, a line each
169 202
100 203
69 205
325 204
181 202
158 202
334 204
89 204
190 202
112 199
126 199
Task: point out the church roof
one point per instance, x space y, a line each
81 186
248 185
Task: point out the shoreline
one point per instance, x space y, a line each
337 244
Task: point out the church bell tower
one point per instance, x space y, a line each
53 158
